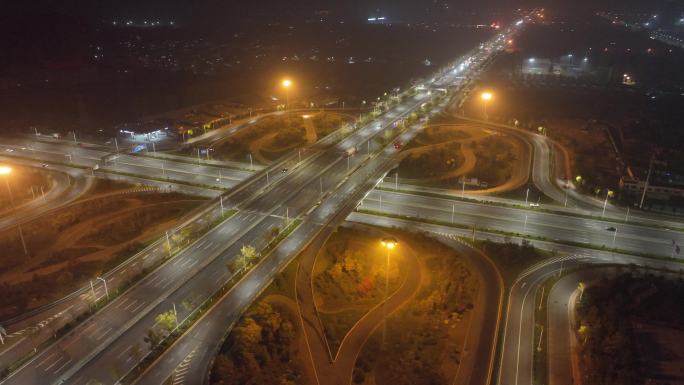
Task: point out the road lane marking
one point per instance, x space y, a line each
103 334
63 365
131 304
47 358
124 351
54 363
122 302
135 310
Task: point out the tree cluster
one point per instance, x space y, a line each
612 351
259 350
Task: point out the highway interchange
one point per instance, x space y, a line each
320 190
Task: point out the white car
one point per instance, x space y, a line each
534 204
9 150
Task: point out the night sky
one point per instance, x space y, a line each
197 11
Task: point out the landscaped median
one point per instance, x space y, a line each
170 334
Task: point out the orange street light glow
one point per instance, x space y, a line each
487 96
287 83
5 170
389 243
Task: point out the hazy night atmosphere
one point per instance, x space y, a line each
319 192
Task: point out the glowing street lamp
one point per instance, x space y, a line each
287 83
6 171
486 98
609 194
389 244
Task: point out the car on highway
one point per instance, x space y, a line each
611 229
45 165
9 150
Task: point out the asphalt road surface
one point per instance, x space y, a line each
188 171
70 184
632 237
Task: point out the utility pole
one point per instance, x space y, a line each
92 289
614 237
627 216
648 178
540 338
21 233
527 195
175 314
453 211
116 143
396 181
605 203
251 165
525 225
221 199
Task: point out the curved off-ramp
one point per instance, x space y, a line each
520 173
68 185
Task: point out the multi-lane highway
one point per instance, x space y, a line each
173 169
111 342
634 237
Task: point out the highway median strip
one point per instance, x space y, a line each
191 319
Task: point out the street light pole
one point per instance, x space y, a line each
384 324
605 203
453 211
6 171
105 286
389 244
